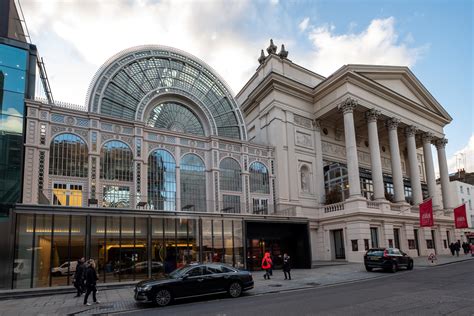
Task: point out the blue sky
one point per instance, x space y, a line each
433 38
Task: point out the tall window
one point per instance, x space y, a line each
259 180
116 161
161 181
68 156
305 179
336 182
193 183
230 178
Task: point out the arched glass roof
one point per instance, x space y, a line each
130 78
175 117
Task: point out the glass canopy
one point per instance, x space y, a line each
125 81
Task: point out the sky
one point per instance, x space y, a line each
434 38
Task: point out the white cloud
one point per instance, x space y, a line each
274 2
378 44
76 38
304 24
464 158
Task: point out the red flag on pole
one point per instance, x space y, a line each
426 214
460 219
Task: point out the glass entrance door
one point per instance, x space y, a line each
340 252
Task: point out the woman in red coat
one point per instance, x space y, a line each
267 265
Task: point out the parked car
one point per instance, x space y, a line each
63 269
194 280
389 259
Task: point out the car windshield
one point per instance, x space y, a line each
176 274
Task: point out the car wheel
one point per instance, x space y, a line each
163 297
369 269
410 265
235 289
394 268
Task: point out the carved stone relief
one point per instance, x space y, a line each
302 121
303 139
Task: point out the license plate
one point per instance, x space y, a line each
374 258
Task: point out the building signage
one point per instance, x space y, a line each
426 213
460 219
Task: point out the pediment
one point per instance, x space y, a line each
402 81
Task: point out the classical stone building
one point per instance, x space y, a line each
164 166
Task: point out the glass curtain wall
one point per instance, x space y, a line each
68 156
193 183
161 181
42 250
13 66
158 250
116 161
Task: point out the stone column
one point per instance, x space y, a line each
376 162
415 181
397 174
429 167
319 168
347 107
443 172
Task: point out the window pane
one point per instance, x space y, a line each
23 247
78 239
116 161
68 156
141 250
207 249
175 117
228 242
230 175
98 245
238 244
158 249
13 79
112 252
59 274
218 255
11 124
193 184
161 181
12 103
259 179
13 57
170 242
42 250
128 254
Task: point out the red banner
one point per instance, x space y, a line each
426 214
460 218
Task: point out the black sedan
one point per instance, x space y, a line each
194 280
389 259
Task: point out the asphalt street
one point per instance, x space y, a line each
444 290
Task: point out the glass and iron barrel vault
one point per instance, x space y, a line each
157 172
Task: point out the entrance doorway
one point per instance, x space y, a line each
339 250
277 239
396 237
417 244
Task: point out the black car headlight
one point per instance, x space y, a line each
144 288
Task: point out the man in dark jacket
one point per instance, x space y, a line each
79 276
91 281
287 266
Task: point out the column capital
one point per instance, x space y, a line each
316 125
348 105
411 130
427 137
372 115
392 123
441 143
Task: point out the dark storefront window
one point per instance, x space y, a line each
13 76
48 247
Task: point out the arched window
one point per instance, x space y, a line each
68 156
175 117
305 179
336 182
116 161
259 179
161 181
230 177
193 183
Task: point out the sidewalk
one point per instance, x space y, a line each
121 299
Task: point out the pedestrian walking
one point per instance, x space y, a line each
451 247
79 276
465 248
91 282
287 266
266 265
457 247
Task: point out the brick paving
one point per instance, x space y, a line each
121 299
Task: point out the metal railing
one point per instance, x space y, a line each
127 200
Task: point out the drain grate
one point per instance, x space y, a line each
313 284
275 285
